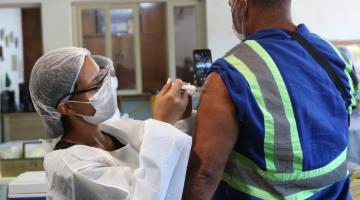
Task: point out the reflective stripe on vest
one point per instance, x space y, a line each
245 176
282 144
348 69
283 176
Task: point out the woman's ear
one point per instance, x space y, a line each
65 108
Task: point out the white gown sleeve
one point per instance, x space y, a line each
163 162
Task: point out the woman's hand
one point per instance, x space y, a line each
171 102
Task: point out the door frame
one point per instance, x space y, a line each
78 41
201 38
170 36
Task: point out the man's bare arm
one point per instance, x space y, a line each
214 140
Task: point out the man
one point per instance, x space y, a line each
272 122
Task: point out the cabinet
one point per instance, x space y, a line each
23 126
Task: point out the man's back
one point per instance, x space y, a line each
293 120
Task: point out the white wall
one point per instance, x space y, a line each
220 34
332 19
56 21
56 24
10 21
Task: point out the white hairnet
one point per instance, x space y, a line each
53 76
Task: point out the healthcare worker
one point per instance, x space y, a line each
125 159
273 116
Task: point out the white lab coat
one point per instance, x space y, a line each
116 116
152 166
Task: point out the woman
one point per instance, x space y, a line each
119 160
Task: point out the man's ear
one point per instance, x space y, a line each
243 6
65 108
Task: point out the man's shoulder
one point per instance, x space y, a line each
233 50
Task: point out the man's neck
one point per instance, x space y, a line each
260 21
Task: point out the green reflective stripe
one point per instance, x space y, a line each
259 193
268 119
303 195
242 173
348 69
285 97
283 150
248 189
297 175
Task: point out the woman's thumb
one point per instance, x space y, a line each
166 87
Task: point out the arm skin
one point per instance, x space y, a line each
213 142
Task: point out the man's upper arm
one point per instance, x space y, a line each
214 140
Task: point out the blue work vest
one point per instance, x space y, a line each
293 120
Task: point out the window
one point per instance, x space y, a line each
93 34
122 25
148 41
185 41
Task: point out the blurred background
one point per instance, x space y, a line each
148 40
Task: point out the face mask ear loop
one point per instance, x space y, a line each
243 32
243 27
83 102
80 115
